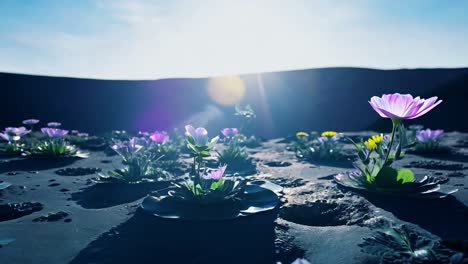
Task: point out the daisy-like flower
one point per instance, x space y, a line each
428 135
370 144
402 106
377 138
159 137
302 134
329 134
14 133
215 174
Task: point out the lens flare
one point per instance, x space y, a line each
226 90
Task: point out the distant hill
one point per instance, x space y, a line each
315 99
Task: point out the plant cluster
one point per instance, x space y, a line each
234 154
326 147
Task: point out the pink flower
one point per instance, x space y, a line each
215 174
159 137
54 132
402 106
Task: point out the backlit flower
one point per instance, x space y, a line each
402 106
199 135
14 133
30 122
329 134
127 149
229 132
159 137
54 132
429 135
215 174
54 124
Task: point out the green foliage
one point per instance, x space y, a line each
209 190
54 149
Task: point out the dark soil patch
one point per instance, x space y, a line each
78 171
435 165
52 217
16 210
319 205
278 163
103 195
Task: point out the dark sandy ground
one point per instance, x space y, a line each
76 220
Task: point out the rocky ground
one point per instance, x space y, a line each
56 212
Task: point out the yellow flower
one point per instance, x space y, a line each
329 134
377 138
370 144
302 134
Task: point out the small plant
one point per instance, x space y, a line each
377 154
211 188
13 137
428 140
138 163
162 147
325 147
401 245
234 154
55 145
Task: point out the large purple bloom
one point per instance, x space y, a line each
402 106
215 174
54 132
14 133
429 135
159 137
229 132
199 135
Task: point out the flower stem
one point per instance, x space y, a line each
395 123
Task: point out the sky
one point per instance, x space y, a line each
125 39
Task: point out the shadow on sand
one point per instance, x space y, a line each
148 239
446 218
103 195
34 164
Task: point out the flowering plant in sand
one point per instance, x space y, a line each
13 137
234 154
161 146
138 162
377 153
211 187
54 145
200 145
326 147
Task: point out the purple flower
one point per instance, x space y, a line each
30 122
229 132
428 135
82 134
127 149
215 174
200 136
14 133
402 106
54 132
159 137
54 124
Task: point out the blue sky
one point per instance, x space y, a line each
124 39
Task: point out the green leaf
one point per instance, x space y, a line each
405 176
